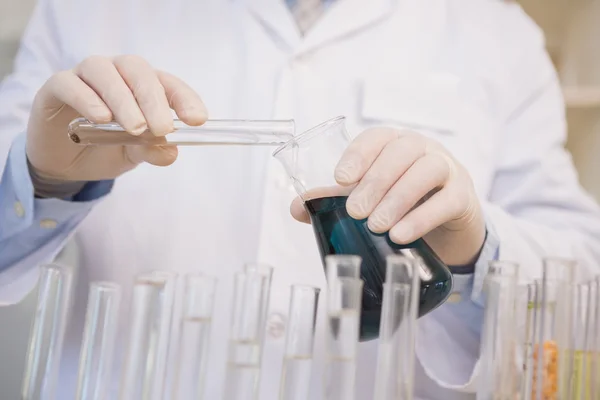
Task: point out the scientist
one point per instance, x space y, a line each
466 104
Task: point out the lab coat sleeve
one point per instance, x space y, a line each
32 231
535 209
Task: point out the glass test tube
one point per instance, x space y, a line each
595 334
194 336
554 333
47 333
526 306
247 326
99 334
297 363
499 334
267 271
212 132
144 371
344 296
584 312
395 364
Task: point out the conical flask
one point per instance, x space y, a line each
310 160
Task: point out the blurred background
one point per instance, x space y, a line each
572 29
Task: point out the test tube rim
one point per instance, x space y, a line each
333 260
260 268
307 135
569 263
199 275
104 286
307 288
155 278
57 266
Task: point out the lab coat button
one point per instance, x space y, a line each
19 210
48 223
276 325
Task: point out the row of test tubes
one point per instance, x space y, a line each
150 341
540 341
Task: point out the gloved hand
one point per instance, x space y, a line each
412 187
125 89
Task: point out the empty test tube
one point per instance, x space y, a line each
247 326
344 296
194 336
297 362
47 333
99 334
554 333
143 375
499 334
266 271
212 132
395 365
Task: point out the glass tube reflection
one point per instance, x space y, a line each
297 363
194 336
47 333
395 366
247 328
344 296
95 363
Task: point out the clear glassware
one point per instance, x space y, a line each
395 366
212 132
47 335
194 336
343 329
247 327
499 334
527 304
310 160
595 335
584 312
267 271
145 367
552 350
99 335
297 362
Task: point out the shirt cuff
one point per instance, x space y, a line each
20 209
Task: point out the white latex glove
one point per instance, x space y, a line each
125 89
412 187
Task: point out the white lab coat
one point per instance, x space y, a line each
472 74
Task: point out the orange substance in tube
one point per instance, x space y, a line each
549 371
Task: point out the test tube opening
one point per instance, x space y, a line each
338 266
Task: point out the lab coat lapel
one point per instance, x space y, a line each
277 20
343 18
